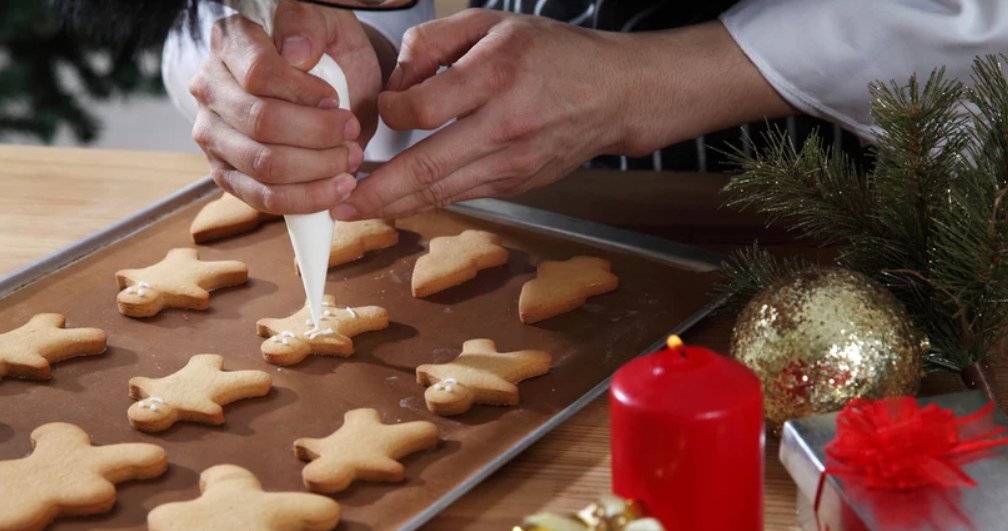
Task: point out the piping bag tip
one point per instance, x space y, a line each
311 237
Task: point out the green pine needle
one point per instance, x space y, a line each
749 271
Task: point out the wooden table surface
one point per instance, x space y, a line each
52 197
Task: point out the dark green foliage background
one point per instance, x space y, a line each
34 99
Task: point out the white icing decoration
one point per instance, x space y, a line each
283 337
351 312
152 403
327 313
138 288
446 385
312 334
308 322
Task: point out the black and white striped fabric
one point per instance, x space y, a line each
702 154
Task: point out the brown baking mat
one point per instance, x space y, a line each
309 399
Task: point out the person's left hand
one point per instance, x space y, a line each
534 99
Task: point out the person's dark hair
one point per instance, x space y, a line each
130 23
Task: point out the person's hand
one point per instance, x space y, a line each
532 99
272 133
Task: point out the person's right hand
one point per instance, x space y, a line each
272 133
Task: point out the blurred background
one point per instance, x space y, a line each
62 88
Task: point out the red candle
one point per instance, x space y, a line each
687 439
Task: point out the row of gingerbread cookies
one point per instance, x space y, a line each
559 287
479 375
66 476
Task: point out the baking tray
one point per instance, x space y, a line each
665 287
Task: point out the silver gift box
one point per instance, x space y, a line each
846 508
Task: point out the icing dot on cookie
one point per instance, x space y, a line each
351 312
152 403
138 288
283 337
327 313
447 385
309 322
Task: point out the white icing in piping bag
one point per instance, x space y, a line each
310 234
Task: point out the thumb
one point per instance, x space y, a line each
300 33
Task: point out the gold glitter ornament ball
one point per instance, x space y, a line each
823 336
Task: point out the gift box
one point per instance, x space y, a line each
838 502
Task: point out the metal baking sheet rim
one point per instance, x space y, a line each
494 210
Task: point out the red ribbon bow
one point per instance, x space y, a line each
896 444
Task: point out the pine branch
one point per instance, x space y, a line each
819 194
749 271
918 154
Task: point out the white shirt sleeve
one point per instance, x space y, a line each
183 56
820 55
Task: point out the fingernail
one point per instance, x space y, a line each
344 185
329 103
344 212
351 130
395 79
355 157
296 50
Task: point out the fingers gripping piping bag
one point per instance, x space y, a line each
310 234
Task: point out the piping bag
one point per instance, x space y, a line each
310 234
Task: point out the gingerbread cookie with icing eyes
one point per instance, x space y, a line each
560 287
480 375
180 280
453 260
195 392
28 351
226 216
293 338
232 498
66 476
362 448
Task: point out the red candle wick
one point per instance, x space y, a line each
675 344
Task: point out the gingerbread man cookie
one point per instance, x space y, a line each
180 280
226 216
362 448
480 375
293 338
560 287
453 260
195 392
66 476
28 350
232 498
